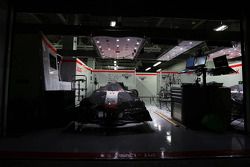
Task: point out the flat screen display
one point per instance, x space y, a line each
200 61
220 61
190 63
52 61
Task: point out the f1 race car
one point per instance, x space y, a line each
113 105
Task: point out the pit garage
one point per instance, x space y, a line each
107 87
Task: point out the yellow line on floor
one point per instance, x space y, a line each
165 118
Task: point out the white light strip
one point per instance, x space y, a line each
148 68
182 47
158 70
156 64
221 28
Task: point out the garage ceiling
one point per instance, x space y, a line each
118 47
159 36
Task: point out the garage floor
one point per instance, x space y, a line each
156 139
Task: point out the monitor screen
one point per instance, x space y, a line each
220 61
53 62
190 63
200 61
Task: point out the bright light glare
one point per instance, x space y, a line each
221 28
156 64
113 23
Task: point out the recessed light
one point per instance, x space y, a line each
137 43
190 43
117 40
115 61
97 41
117 46
112 23
135 48
100 46
109 49
128 39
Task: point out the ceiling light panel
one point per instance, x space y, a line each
156 64
112 23
221 28
181 48
117 47
231 53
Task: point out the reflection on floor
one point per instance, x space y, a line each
158 136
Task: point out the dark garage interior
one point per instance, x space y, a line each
100 83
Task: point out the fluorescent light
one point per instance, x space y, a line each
148 68
113 23
221 28
156 64
158 70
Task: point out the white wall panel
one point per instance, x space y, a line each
105 76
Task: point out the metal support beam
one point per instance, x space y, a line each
160 21
36 18
198 24
245 43
161 33
7 19
113 8
62 18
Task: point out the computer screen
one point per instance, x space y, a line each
220 61
190 63
200 61
53 62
